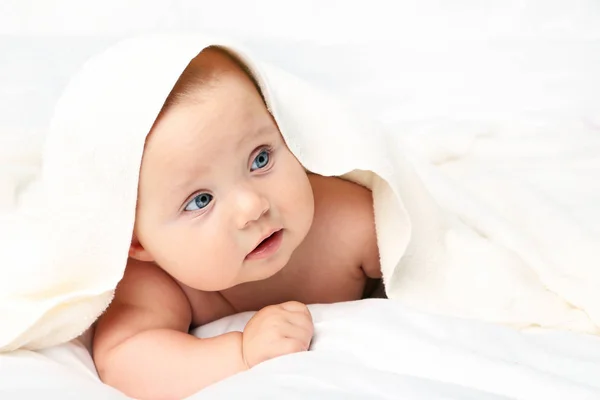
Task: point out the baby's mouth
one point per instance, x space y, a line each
267 247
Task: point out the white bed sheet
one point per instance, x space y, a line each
368 349
512 87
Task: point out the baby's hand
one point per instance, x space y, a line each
275 331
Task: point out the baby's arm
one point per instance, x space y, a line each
142 346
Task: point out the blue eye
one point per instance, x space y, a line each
199 202
260 161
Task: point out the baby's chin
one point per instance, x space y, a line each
262 272
247 274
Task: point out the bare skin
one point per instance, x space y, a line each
331 265
194 256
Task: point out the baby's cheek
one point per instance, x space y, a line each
295 183
299 198
215 266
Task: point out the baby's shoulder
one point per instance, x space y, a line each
344 222
149 285
339 201
146 286
343 212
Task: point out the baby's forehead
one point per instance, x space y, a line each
202 74
193 86
213 105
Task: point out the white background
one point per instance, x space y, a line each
465 59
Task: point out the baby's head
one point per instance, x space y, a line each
217 179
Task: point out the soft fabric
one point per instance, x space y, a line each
372 349
441 251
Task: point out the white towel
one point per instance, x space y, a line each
66 245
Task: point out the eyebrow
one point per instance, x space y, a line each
182 185
256 134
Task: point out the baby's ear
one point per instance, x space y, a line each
138 252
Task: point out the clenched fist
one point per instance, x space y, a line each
275 331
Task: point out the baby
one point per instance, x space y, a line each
227 221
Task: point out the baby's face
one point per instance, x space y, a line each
216 180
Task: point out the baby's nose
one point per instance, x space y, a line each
251 207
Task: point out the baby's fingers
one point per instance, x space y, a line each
290 345
301 322
296 307
301 334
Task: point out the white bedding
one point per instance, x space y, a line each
351 358
512 90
